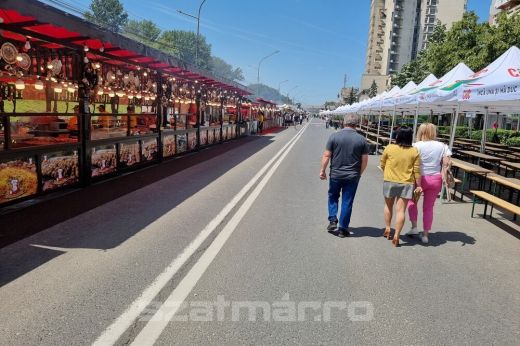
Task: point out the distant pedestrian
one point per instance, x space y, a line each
347 152
287 120
296 120
433 155
327 122
400 164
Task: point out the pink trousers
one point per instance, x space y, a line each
431 185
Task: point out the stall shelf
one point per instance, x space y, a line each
79 103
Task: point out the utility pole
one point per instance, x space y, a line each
198 30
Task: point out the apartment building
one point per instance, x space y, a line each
499 6
399 30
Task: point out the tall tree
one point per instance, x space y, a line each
351 98
183 44
268 93
223 69
373 89
144 30
107 13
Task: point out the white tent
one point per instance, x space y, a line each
410 100
496 86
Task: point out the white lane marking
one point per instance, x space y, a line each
123 322
158 322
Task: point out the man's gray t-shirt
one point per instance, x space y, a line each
347 148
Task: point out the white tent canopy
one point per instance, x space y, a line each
496 85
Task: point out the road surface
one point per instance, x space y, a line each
234 251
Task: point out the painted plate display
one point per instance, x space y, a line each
9 52
26 61
56 67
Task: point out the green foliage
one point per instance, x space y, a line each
460 131
503 135
268 93
223 69
107 13
475 43
144 29
352 96
184 44
330 104
513 141
373 89
412 71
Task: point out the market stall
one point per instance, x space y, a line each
79 103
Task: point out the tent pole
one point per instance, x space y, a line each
484 130
392 127
454 126
368 117
378 128
415 121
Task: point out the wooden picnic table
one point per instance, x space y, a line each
496 145
469 169
511 183
479 156
514 166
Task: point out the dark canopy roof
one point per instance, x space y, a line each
43 22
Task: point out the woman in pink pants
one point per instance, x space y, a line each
432 153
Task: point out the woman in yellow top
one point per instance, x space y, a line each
401 166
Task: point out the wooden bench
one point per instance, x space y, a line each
494 201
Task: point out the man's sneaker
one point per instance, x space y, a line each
424 238
412 231
332 226
342 233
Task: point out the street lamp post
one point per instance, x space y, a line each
280 84
198 30
290 92
258 74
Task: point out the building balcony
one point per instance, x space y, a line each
506 4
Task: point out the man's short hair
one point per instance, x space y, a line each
351 120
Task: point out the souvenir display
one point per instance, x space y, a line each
25 63
168 145
9 52
103 160
59 169
149 149
56 67
129 154
18 178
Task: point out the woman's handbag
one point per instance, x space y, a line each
416 195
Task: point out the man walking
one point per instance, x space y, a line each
347 152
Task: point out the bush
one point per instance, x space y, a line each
503 135
460 131
513 141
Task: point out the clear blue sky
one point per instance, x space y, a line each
319 40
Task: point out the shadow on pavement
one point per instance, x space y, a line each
439 238
109 230
359 232
505 227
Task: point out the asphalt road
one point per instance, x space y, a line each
69 283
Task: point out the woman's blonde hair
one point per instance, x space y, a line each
427 132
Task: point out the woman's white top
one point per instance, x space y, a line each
431 153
